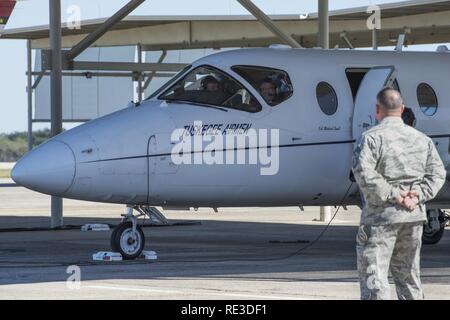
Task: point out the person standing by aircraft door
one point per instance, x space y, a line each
397 169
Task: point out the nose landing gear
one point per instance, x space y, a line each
433 230
127 238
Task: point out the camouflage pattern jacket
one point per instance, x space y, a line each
390 157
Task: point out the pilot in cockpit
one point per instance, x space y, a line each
211 91
268 91
210 83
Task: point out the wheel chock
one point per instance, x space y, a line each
95 227
149 255
107 256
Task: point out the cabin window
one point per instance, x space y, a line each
207 85
427 99
327 98
274 85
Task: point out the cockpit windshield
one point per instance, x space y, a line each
208 86
168 83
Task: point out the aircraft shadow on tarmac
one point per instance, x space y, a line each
213 249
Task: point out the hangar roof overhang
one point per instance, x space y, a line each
427 21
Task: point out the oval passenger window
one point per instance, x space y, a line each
427 99
327 98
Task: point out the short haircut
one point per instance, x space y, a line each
390 99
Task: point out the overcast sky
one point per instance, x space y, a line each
13 97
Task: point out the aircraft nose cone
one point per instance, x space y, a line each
50 169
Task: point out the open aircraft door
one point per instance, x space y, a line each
364 112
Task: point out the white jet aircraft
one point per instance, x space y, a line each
318 102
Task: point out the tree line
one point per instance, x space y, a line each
14 145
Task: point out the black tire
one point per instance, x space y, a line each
112 240
136 247
432 238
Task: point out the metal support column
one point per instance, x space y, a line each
325 214
324 25
30 95
140 90
374 39
324 42
56 94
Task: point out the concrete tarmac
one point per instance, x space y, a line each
239 253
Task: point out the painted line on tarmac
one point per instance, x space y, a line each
241 295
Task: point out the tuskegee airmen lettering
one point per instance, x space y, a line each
216 129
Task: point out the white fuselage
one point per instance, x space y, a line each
125 157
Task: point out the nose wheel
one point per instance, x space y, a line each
433 230
128 239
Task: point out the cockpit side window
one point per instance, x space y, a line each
210 86
168 83
274 85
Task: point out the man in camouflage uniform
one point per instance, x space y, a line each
397 169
